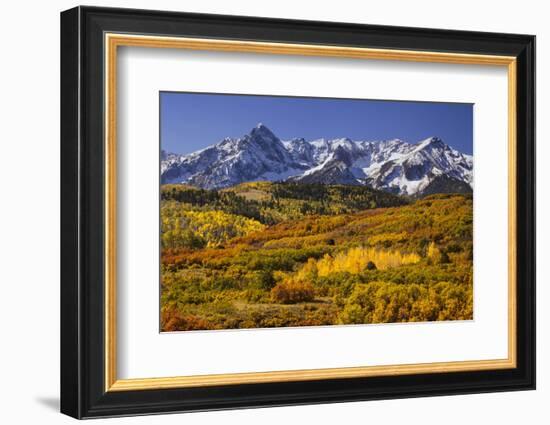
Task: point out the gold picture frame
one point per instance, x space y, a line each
114 41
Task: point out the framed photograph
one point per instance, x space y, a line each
261 212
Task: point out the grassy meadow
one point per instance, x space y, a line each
263 254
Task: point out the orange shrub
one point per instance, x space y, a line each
292 291
172 320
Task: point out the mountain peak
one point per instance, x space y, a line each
261 127
431 141
262 131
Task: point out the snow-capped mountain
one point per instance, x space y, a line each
429 166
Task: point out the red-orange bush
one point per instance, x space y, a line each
172 320
292 291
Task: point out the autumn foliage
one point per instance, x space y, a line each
275 254
292 291
355 260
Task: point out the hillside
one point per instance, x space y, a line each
271 203
282 254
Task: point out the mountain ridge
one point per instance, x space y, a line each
391 165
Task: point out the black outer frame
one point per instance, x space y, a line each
82 208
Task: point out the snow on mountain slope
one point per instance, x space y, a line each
391 165
259 155
413 167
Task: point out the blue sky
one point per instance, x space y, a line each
192 121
